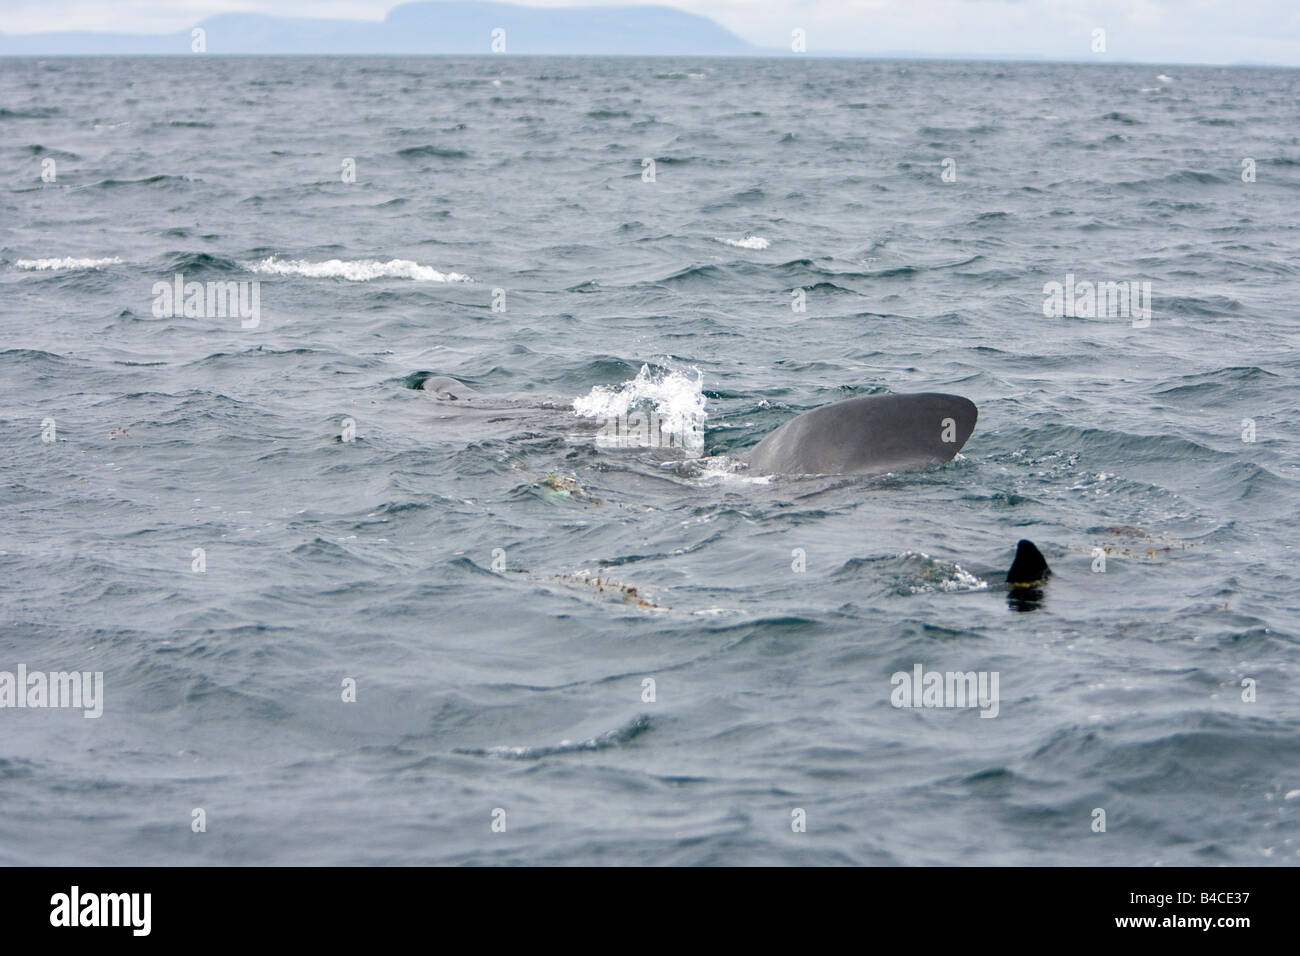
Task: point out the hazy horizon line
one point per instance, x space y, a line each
760 53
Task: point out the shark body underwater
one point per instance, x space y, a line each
869 435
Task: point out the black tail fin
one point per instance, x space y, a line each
1029 569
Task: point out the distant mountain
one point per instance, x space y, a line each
416 28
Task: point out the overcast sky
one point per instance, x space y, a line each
1179 31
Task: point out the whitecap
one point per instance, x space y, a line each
360 270
749 242
67 262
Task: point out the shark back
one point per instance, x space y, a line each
868 436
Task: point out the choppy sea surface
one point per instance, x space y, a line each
236 525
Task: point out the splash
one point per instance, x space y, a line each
662 409
933 575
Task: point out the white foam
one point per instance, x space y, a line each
941 576
722 469
67 262
360 270
749 242
963 580
675 402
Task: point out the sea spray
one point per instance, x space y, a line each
662 409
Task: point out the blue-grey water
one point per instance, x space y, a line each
232 523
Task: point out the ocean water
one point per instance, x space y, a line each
235 525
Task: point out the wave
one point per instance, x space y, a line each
143 181
915 572
66 263
36 149
612 738
36 112
186 261
1224 382
1183 177
414 152
360 270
